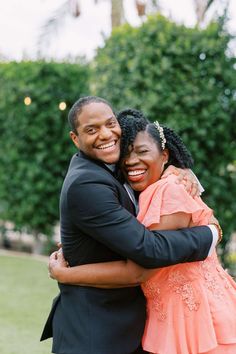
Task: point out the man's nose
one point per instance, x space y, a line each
105 133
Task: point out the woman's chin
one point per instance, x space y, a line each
137 187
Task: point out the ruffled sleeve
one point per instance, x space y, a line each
165 197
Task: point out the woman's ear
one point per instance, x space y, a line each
74 138
165 155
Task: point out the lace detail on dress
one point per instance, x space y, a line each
223 275
153 293
181 285
213 275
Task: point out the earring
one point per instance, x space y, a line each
163 166
164 163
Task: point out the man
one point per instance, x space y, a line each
98 225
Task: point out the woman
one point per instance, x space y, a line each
191 307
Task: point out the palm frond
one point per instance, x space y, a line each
54 23
209 3
201 7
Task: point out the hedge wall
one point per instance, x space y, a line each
185 78
35 144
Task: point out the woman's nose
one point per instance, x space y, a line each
132 159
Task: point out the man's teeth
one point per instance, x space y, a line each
105 146
136 173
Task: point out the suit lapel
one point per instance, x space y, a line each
126 199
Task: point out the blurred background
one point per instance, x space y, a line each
176 61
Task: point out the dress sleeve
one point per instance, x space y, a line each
165 197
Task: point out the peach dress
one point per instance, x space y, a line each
191 307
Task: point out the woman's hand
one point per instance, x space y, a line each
185 177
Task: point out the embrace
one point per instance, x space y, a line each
139 271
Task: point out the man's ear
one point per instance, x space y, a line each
74 138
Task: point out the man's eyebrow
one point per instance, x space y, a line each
96 124
89 126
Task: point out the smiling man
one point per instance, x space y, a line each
98 224
96 132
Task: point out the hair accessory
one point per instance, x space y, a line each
161 133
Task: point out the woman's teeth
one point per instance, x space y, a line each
136 172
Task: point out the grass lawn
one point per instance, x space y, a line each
26 294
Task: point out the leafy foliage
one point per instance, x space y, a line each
186 79
35 143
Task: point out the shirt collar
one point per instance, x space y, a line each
111 167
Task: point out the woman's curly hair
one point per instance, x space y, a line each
133 121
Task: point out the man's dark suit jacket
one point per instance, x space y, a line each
97 225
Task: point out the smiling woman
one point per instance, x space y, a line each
147 149
95 129
145 162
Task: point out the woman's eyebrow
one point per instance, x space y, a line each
141 146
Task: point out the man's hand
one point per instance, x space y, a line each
56 263
186 178
215 222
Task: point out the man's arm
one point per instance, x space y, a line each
114 274
96 210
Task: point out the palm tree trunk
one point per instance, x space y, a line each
117 13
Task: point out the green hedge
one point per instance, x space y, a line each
183 78
35 144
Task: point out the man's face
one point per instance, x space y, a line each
98 133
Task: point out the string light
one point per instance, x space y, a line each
27 101
62 106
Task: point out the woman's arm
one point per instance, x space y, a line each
103 275
112 274
173 222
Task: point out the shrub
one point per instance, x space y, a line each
35 143
185 78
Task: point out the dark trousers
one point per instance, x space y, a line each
139 350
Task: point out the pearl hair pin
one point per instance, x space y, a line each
161 133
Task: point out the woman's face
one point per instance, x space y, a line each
144 163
